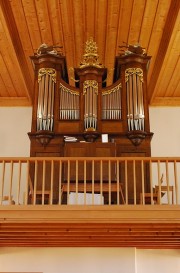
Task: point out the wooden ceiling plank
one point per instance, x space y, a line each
10 21
135 25
124 22
9 88
32 24
12 81
147 23
168 74
55 22
112 32
4 92
44 22
100 26
177 88
157 32
66 15
90 18
78 21
167 77
172 65
163 46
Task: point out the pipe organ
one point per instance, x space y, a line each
90 109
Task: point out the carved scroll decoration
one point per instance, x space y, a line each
68 104
45 109
111 103
135 105
90 92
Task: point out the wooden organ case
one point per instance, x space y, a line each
91 109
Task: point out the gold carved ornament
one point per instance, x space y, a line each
47 71
131 71
90 57
90 83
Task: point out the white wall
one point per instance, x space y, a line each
15 123
68 260
158 261
165 124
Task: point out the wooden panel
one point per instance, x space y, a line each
95 149
157 227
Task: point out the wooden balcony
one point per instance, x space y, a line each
101 202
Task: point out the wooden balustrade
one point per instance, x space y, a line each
89 181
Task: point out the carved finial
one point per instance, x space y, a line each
45 49
133 49
91 57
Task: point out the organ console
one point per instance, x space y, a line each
90 109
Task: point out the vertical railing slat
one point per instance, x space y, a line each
159 182
77 170
118 181
43 180
109 179
11 180
126 183
93 182
51 185
19 182
84 175
101 181
176 183
142 179
134 180
151 184
60 183
2 182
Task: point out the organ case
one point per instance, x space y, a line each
90 109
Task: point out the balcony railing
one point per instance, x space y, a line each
89 181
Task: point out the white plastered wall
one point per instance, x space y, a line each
14 141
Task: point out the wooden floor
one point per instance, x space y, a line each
90 226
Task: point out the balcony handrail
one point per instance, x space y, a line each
89 180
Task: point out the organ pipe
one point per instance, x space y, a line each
68 104
111 103
46 82
90 92
134 91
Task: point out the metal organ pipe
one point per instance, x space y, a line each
90 92
46 81
111 103
68 103
134 91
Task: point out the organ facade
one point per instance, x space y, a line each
70 121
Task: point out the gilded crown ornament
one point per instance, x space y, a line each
91 57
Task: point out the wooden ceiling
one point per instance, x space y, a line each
26 24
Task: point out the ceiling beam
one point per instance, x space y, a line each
14 34
163 47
